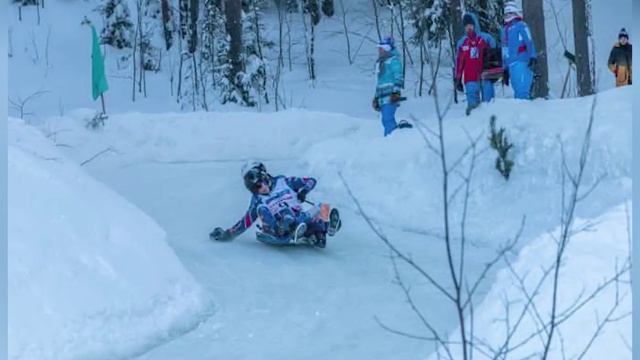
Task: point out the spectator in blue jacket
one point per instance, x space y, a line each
389 85
518 51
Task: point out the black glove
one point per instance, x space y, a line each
505 77
532 63
302 195
395 97
458 85
375 105
219 234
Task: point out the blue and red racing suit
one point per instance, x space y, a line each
280 210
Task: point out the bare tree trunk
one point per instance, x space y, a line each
179 90
194 81
306 41
566 82
534 14
405 52
280 10
377 18
580 38
140 41
233 12
193 25
166 20
287 18
421 67
256 25
281 20
455 19
312 61
346 31
135 65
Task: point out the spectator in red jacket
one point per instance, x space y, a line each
469 61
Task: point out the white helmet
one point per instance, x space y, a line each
511 7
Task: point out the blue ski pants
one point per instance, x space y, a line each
521 78
388 113
488 91
472 90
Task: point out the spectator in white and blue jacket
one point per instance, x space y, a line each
389 84
518 51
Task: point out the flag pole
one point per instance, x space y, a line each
104 111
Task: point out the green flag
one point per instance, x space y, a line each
98 77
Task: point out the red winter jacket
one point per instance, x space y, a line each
469 58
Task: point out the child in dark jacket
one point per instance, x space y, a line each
620 59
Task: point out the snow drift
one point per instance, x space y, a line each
90 275
592 259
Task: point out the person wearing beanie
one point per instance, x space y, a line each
620 59
518 52
389 85
470 53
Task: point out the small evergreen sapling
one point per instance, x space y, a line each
499 142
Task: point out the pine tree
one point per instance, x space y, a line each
292 5
491 15
168 23
328 8
500 143
429 20
151 20
254 76
312 8
118 30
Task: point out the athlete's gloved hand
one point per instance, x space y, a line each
302 195
395 97
375 105
220 234
532 63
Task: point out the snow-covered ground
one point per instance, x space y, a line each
90 275
592 260
183 170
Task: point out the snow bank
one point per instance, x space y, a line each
386 172
591 259
328 143
90 275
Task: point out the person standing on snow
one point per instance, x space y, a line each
277 202
518 52
389 86
620 59
470 51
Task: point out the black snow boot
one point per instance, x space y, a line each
404 124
